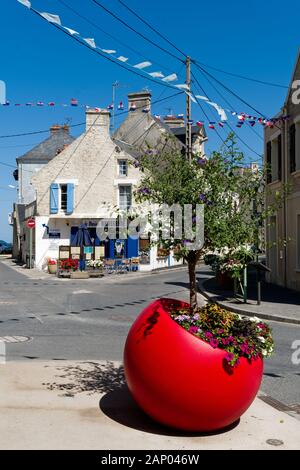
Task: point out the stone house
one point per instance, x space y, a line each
282 156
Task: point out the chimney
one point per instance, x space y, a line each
58 128
174 121
139 102
97 119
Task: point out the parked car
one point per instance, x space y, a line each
5 248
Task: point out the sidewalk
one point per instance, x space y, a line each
36 274
86 405
277 304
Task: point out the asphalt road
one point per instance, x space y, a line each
89 320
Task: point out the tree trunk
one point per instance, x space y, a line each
193 282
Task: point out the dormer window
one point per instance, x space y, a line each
123 167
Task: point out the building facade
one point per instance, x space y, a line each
282 157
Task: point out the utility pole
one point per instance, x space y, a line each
188 126
115 85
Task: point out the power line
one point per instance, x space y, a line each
110 59
136 32
229 90
152 28
228 103
232 130
262 82
106 33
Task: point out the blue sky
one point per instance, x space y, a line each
38 62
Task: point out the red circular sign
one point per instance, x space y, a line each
30 223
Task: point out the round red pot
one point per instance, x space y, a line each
180 380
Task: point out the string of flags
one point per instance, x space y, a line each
242 118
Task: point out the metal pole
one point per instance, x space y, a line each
188 136
30 248
245 285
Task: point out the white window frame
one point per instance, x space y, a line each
121 161
119 187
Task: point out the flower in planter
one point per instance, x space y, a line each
70 264
238 336
52 262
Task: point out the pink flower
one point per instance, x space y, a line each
214 343
193 329
208 335
229 357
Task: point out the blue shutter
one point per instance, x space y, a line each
70 198
132 248
54 198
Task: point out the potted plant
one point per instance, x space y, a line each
52 265
191 368
69 264
196 370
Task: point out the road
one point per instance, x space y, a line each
89 320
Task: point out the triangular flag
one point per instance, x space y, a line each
199 123
51 18
182 86
90 42
191 96
108 51
142 65
122 58
71 31
26 3
156 74
170 78
200 97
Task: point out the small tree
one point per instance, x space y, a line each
221 183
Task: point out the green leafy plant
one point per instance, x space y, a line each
246 337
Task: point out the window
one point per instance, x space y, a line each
63 197
298 241
123 167
125 197
292 148
269 162
279 155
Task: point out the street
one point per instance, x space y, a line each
89 320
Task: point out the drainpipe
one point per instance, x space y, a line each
285 180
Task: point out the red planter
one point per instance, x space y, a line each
180 380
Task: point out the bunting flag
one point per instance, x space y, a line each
132 107
110 106
142 65
51 18
108 51
200 123
74 102
71 31
156 74
26 3
121 106
211 125
170 78
121 58
90 42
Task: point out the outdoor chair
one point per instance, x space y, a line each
109 266
134 264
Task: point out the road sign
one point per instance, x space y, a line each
30 223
